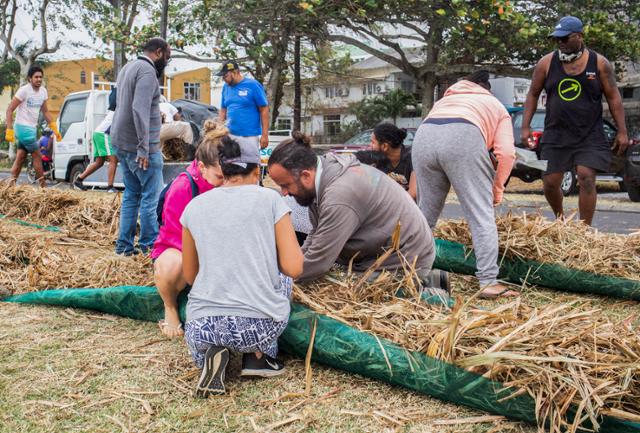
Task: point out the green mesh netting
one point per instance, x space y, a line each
455 257
336 345
28 224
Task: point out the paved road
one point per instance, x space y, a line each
616 213
605 220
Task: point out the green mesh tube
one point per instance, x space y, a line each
336 345
28 224
455 257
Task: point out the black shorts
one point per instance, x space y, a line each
564 158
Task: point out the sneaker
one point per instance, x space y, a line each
78 184
212 378
266 366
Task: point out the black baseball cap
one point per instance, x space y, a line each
228 65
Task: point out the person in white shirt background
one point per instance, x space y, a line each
28 102
102 149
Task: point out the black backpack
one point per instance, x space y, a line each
194 192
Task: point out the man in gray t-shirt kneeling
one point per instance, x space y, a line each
354 210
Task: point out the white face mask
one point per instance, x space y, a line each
570 57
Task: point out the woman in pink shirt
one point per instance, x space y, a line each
454 147
167 250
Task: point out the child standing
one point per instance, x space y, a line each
237 242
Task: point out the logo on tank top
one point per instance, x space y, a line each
569 89
591 75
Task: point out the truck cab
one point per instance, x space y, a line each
81 113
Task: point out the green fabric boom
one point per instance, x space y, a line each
455 257
336 345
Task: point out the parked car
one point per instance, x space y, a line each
624 169
362 141
195 113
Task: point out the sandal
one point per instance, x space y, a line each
504 292
170 330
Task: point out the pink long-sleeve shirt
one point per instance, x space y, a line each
477 105
176 199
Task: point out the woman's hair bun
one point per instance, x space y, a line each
300 138
214 128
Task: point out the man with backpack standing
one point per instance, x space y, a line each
135 134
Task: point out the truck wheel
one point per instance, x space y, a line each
76 171
569 183
622 186
634 192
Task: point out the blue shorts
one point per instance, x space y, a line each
26 138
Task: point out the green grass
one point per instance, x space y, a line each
75 371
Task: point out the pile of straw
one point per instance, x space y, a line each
559 354
33 259
571 244
82 215
176 149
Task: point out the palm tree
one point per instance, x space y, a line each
395 103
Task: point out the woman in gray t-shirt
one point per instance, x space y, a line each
237 243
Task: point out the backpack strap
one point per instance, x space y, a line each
194 186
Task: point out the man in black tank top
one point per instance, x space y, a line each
574 79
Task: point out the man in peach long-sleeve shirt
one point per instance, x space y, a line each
452 148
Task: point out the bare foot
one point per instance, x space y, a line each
171 325
497 290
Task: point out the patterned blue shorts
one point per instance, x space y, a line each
240 334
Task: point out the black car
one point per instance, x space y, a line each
195 113
624 169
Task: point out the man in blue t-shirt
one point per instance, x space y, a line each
244 106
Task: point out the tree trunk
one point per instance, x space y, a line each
118 47
427 88
297 87
164 18
277 102
275 85
118 58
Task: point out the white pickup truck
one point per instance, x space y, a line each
81 113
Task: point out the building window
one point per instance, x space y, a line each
627 92
284 123
407 86
331 125
373 88
83 77
336 92
192 91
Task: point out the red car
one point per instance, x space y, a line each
362 141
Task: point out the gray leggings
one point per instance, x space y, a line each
455 154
